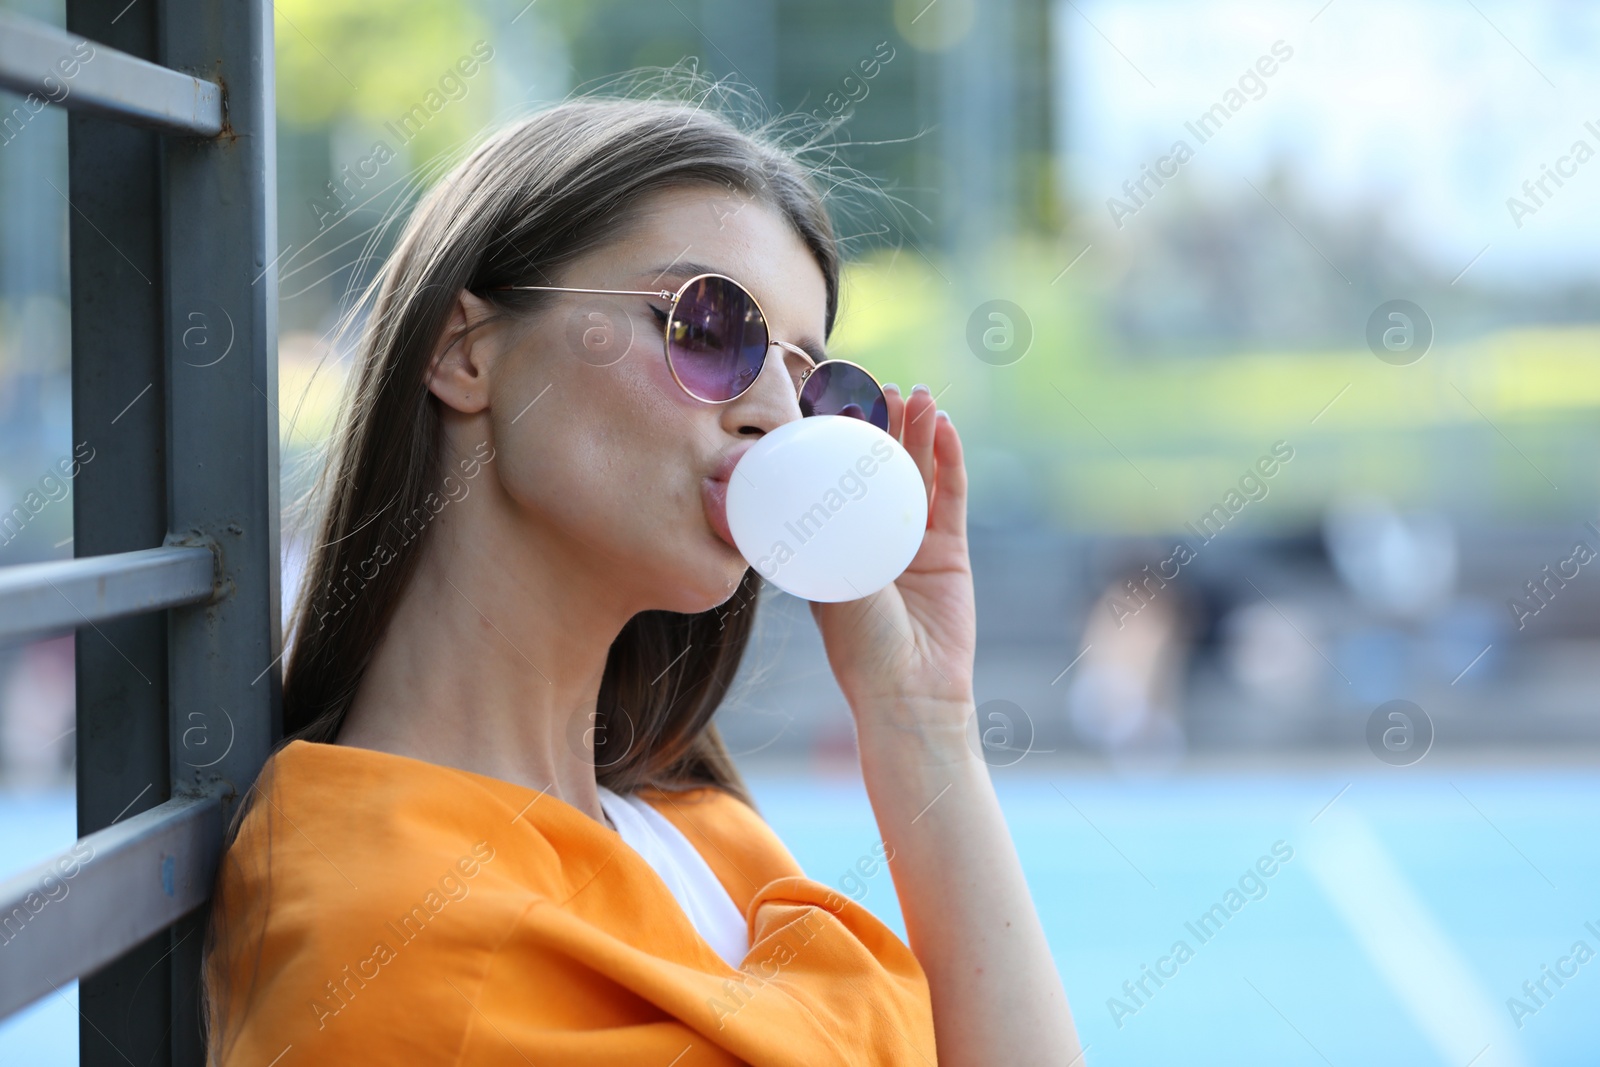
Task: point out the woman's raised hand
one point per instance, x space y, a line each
904 655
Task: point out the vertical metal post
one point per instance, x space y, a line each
220 227
118 419
174 304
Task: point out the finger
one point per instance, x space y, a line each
948 512
919 432
897 407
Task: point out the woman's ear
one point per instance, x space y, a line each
464 356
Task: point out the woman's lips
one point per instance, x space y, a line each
714 490
714 494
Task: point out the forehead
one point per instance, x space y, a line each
686 231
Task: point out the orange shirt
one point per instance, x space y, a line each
381 909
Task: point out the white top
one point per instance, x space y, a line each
685 872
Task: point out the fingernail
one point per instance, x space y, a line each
920 386
945 415
890 385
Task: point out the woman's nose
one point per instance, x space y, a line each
771 400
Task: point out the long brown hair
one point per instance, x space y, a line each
530 199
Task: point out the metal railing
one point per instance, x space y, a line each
174 591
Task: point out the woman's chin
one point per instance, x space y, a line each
710 581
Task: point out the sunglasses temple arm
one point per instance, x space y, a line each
664 294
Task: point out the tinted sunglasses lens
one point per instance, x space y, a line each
716 339
837 388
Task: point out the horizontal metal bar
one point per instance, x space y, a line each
79 911
58 67
40 599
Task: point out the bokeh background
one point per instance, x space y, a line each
1272 331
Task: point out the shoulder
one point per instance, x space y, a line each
359 886
355 829
332 814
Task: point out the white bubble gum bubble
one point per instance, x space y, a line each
828 508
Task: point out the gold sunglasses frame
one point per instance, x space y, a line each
666 335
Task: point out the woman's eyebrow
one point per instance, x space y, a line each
813 348
681 268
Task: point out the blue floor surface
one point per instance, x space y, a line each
1410 910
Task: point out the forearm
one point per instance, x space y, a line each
970 920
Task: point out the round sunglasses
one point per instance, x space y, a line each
716 341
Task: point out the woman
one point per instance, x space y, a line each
504 829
